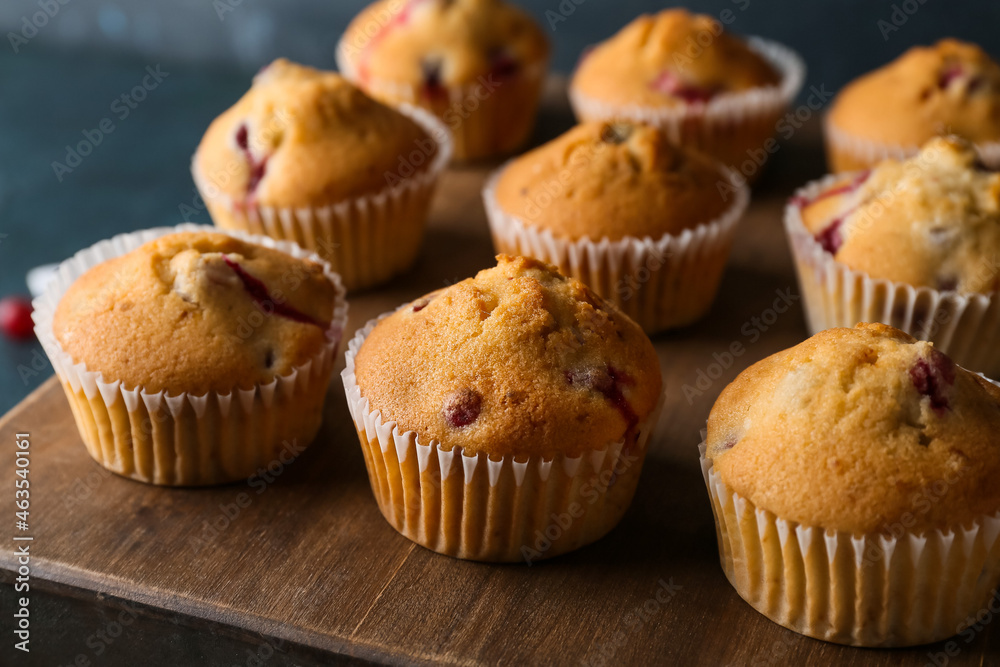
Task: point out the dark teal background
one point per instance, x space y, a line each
66 78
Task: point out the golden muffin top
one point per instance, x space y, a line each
301 137
859 429
669 59
952 87
196 312
519 360
931 221
438 43
612 180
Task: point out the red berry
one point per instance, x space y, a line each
503 65
670 83
462 407
953 72
933 377
15 318
433 87
830 237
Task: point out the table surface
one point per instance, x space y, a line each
311 561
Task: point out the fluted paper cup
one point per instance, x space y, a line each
185 439
367 239
487 118
732 127
966 327
872 590
660 283
497 509
847 152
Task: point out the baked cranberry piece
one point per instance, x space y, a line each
258 168
421 303
932 377
830 238
950 74
433 88
15 318
503 65
462 407
957 72
609 382
669 83
259 293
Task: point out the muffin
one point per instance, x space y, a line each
950 88
306 157
506 417
705 87
646 224
193 357
479 65
841 471
914 244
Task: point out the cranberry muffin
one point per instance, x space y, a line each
841 471
915 244
485 407
193 357
654 220
706 87
477 64
306 156
952 87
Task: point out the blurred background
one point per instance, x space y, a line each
65 65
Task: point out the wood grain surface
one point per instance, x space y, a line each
305 556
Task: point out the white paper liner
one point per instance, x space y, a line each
184 439
661 284
368 239
504 510
866 590
500 123
966 327
847 152
727 126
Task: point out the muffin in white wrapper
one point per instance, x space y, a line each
964 326
366 239
184 439
852 479
732 126
875 590
497 509
660 283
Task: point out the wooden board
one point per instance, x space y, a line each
310 559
